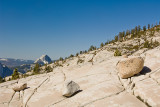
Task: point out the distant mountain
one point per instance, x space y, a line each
5 71
23 68
44 59
10 62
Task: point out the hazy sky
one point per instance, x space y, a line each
30 28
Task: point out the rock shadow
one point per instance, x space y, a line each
145 70
75 93
26 88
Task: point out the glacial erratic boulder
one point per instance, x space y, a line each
19 87
70 88
130 66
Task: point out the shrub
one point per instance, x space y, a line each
80 52
48 69
71 56
156 43
136 47
117 53
77 54
61 59
80 61
15 74
92 48
147 44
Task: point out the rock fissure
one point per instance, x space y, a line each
33 92
103 98
11 98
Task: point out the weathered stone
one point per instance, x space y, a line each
125 56
69 88
19 87
130 66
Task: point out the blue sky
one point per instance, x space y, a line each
30 28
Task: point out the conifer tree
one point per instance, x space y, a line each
144 28
116 38
101 45
148 26
36 69
15 74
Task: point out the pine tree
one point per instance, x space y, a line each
77 54
91 48
71 56
116 38
148 26
136 30
139 28
61 59
36 69
144 28
15 74
101 45
80 52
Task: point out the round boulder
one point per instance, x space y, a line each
19 87
128 67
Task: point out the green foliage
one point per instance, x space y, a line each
71 56
152 33
101 45
136 47
48 69
36 69
61 59
57 64
77 54
156 43
116 38
80 61
147 44
144 28
148 26
92 48
80 52
157 29
117 53
15 74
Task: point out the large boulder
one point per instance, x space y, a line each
19 87
69 88
128 67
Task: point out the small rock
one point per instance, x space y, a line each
69 88
130 66
125 56
19 87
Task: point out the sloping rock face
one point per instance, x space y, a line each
5 71
130 66
99 81
44 59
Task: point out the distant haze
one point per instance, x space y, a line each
58 28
